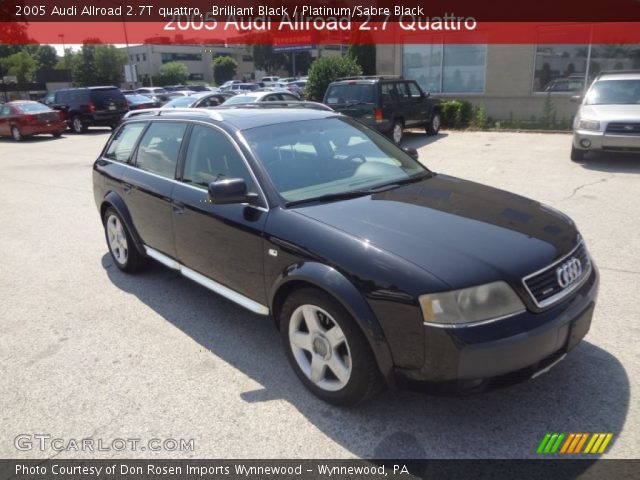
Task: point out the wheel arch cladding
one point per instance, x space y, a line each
113 200
332 282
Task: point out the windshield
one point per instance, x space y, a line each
331 156
241 99
33 108
614 92
179 102
349 93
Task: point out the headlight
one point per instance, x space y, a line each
469 305
588 125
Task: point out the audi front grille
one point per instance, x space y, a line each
548 287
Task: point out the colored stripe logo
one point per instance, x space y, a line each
572 443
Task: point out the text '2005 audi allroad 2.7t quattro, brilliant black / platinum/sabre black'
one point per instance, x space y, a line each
376 270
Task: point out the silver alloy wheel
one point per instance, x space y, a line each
320 347
77 124
15 133
117 239
397 132
435 123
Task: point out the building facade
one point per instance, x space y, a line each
150 58
512 82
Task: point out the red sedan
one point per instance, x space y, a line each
22 118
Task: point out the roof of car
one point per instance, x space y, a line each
620 75
243 117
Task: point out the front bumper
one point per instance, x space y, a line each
502 352
592 140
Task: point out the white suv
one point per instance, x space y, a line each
609 116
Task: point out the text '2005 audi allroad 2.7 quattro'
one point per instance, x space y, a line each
376 270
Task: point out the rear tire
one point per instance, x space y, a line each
16 134
433 127
77 125
397 132
577 155
327 350
57 134
123 250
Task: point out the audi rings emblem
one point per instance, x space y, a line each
568 272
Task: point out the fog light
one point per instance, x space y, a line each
585 143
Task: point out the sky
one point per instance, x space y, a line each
75 46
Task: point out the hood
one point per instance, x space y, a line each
462 232
611 113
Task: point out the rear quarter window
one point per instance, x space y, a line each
124 142
356 92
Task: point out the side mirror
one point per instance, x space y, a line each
231 190
576 98
426 94
412 152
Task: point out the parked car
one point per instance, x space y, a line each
138 102
266 81
228 83
276 88
570 84
388 104
241 87
89 106
157 94
609 117
266 96
375 269
23 118
199 100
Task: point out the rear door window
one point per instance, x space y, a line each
159 148
123 143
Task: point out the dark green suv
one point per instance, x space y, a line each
388 104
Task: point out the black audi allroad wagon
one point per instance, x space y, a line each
376 270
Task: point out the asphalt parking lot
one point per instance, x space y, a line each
87 351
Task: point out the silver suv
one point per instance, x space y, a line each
609 116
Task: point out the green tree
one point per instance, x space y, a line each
224 68
83 66
45 55
172 73
21 65
365 56
109 62
327 69
264 58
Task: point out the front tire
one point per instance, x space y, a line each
123 250
433 127
16 134
577 155
326 348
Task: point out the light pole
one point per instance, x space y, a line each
64 53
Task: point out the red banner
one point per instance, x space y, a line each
322 31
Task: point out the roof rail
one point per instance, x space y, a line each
279 104
371 77
202 112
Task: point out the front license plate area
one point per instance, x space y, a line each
579 328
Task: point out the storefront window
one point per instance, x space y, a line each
446 68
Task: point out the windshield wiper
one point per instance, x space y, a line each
329 197
359 193
354 103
